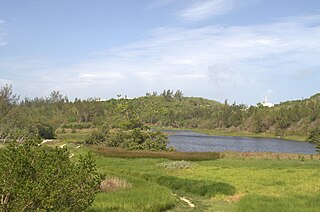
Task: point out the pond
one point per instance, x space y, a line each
189 141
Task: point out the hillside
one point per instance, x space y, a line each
165 110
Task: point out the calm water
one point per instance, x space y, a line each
188 141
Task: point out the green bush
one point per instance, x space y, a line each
314 137
46 131
135 139
97 137
35 178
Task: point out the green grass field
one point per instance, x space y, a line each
228 184
235 182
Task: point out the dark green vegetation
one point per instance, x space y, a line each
314 137
135 139
33 177
197 187
169 109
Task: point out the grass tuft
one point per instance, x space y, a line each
113 184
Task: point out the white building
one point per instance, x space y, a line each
265 103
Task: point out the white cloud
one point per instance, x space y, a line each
205 9
214 61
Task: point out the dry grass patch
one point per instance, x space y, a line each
123 153
113 184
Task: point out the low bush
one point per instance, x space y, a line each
135 139
46 131
37 178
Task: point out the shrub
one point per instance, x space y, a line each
97 137
46 131
35 178
314 137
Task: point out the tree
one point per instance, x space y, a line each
178 94
7 99
33 177
314 137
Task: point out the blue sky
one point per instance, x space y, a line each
240 50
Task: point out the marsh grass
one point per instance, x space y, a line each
196 187
122 153
142 196
114 183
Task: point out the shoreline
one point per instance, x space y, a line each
236 134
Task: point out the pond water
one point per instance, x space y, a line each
188 141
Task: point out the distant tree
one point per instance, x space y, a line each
35 178
57 97
178 94
314 137
7 99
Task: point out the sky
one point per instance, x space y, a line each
239 50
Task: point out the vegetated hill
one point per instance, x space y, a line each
167 109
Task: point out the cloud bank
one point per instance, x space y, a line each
214 61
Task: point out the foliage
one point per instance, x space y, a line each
169 109
46 131
33 177
135 139
314 137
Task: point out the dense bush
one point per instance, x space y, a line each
35 178
314 137
135 139
46 131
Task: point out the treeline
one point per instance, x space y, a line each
167 109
